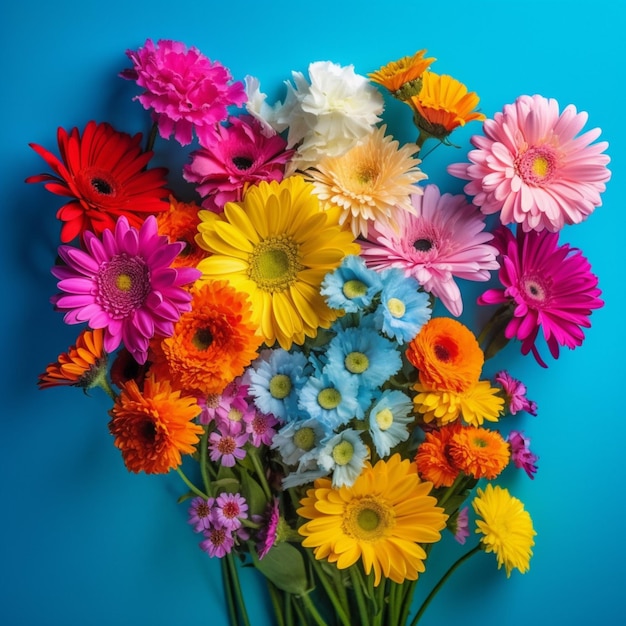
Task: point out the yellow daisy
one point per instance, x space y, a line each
276 245
506 526
381 519
371 182
402 77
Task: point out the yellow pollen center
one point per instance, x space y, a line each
235 415
329 398
274 264
540 166
384 419
396 307
304 438
368 519
343 452
280 386
123 282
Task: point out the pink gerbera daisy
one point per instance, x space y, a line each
124 284
444 240
532 167
545 286
232 158
184 89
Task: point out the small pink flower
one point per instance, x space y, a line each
184 89
515 392
221 407
521 455
227 448
261 428
230 509
232 158
219 541
462 526
200 514
533 167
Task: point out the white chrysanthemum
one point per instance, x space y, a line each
259 109
330 115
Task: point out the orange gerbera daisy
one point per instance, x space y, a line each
212 344
180 223
432 459
479 452
443 104
83 365
402 78
446 354
154 427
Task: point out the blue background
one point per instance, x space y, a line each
86 543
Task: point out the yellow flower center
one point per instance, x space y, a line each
280 386
123 282
274 264
540 166
356 362
368 519
384 419
343 452
354 288
329 398
396 307
537 165
235 415
304 438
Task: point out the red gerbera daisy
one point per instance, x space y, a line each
104 172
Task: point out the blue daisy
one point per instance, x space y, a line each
388 420
403 309
296 439
352 286
345 455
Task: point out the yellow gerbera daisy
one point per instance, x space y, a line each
381 519
371 182
506 526
479 403
277 245
444 104
402 77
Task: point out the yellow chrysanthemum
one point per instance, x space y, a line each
479 403
478 452
402 77
381 519
371 182
447 355
506 526
277 245
444 104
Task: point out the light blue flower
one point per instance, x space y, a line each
331 402
297 438
275 380
364 355
345 455
352 286
403 309
388 420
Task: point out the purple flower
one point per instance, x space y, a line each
227 448
124 284
521 455
515 392
267 535
462 526
260 427
218 541
230 509
184 89
200 514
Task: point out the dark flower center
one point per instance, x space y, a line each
102 186
422 245
242 163
203 339
148 431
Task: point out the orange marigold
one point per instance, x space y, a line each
402 77
83 365
212 344
180 223
479 452
447 355
154 427
432 459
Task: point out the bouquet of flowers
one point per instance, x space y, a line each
287 338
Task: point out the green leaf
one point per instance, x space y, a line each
284 566
254 495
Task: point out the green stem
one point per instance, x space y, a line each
442 581
203 464
189 484
275 598
228 589
312 610
232 566
357 585
103 382
331 591
253 453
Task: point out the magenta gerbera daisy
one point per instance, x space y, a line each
444 240
233 157
185 90
533 167
545 287
125 285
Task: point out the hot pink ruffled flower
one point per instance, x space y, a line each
521 455
125 284
532 167
232 158
547 287
267 534
444 240
185 90
515 392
